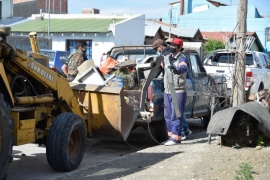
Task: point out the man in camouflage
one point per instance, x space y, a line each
74 60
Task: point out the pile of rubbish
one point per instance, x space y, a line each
263 97
244 124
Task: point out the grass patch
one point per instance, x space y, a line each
260 141
244 172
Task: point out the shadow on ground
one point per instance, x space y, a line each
123 166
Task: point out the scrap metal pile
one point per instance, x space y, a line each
243 125
263 97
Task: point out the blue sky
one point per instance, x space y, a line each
151 8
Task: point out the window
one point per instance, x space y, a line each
50 55
132 53
229 58
194 65
268 34
63 56
267 60
71 46
226 58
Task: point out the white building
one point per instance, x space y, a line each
101 32
6 9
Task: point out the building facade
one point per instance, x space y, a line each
6 9
212 16
25 8
100 32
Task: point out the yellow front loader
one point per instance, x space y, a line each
38 105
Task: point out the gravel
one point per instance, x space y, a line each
194 159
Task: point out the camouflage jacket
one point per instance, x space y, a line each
74 60
126 77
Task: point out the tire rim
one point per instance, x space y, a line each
74 143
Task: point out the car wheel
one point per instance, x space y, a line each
160 129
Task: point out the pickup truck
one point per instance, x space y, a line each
221 62
201 89
56 58
122 53
146 95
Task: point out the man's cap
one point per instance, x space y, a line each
176 42
157 43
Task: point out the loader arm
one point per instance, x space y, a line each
42 74
34 42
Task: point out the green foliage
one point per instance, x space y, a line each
244 173
212 44
260 141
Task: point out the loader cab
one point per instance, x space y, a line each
56 58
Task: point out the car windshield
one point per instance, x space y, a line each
50 55
63 56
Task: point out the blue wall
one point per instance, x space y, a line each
218 19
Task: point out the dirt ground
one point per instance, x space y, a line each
193 159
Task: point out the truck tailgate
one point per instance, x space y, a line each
226 71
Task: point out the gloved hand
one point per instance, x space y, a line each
173 69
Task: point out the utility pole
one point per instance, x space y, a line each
49 23
170 11
238 89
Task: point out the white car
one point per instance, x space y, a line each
222 61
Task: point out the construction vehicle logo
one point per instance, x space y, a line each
40 71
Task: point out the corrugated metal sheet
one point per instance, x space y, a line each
189 33
66 25
151 30
11 21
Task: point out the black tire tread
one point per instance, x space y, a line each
160 129
6 127
57 142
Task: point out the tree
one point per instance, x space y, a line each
212 44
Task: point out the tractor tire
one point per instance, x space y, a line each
65 143
160 129
6 138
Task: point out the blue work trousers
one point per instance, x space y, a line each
174 124
185 126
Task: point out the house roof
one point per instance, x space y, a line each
67 25
152 25
10 21
217 3
151 30
225 36
221 36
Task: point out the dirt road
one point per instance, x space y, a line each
192 160
30 160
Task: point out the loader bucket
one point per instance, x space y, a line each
107 110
